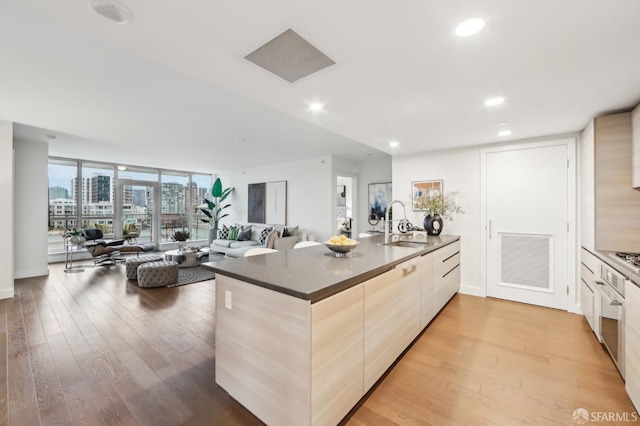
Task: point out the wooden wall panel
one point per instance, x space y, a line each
617 204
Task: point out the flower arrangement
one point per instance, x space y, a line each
436 203
181 235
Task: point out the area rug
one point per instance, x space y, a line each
193 275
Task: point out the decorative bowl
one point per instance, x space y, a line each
341 250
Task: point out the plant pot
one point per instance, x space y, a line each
213 234
433 224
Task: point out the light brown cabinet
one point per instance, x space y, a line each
391 317
427 305
589 295
609 206
290 361
446 274
632 342
337 360
635 138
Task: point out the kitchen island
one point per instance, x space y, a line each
302 335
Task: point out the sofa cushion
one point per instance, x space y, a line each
239 244
245 234
222 243
271 238
224 232
233 233
262 238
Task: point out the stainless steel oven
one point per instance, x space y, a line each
612 313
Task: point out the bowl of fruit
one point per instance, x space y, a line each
341 245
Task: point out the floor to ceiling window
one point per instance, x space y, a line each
123 200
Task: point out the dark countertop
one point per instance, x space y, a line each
314 273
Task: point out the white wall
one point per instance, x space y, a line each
6 214
377 171
310 194
460 171
30 208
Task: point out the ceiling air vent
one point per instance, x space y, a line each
290 57
111 10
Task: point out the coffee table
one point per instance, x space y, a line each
185 259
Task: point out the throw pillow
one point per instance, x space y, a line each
224 233
271 238
285 233
264 234
245 234
233 233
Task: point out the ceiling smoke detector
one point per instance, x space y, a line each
111 10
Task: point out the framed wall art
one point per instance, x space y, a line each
425 187
379 199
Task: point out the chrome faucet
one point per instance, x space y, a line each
388 235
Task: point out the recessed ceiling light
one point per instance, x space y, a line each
394 144
494 101
469 27
122 168
316 106
504 132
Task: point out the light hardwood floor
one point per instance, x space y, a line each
92 348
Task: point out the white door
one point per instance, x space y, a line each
527 220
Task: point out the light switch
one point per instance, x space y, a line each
227 299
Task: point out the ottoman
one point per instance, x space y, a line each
157 274
133 264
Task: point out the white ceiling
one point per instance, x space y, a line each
172 86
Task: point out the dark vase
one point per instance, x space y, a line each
433 224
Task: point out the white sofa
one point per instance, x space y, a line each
233 248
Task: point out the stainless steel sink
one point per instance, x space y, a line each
412 244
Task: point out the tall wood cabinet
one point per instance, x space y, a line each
609 206
635 137
632 342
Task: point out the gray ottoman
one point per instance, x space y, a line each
157 274
133 264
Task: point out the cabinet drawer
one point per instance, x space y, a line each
590 261
443 268
587 275
445 252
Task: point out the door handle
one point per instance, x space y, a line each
489 229
615 303
410 266
599 282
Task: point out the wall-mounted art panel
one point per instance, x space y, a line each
256 208
268 203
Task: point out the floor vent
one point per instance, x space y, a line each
290 57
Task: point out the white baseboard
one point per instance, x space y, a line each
472 291
8 293
28 273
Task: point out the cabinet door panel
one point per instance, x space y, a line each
337 360
632 343
391 318
586 300
427 305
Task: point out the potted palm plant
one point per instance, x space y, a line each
215 206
